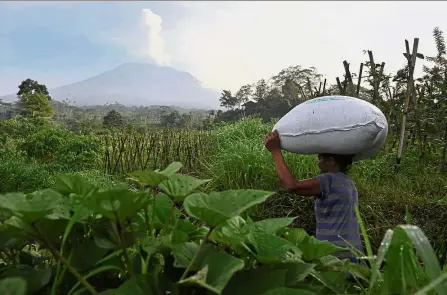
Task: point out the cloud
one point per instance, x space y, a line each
228 44
156 43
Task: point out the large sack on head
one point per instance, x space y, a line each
333 124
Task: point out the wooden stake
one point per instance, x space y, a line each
359 80
411 60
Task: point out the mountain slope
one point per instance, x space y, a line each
138 84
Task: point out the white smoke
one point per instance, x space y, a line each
156 42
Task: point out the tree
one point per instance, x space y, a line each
244 94
261 90
170 119
31 86
35 105
436 83
113 119
227 100
34 99
291 92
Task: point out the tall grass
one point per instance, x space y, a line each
241 161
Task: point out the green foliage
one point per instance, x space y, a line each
34 99
77 236
64 149
227 100
35 105
30 86
18 173
241 161
17 128
113 119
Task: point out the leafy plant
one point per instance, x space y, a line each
166 237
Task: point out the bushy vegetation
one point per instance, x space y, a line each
85 211
79 238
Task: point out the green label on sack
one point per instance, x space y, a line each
323 99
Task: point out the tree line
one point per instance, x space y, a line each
415 107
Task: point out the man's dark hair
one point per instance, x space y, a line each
343 161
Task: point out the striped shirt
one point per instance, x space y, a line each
335 212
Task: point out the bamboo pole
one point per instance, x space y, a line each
411 60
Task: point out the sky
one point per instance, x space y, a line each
223 44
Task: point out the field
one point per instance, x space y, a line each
91 249
164 202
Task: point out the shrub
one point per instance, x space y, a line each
17 128
64 149
78 237
17 173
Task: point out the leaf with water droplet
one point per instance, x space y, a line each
178 186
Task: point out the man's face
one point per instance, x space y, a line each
324 163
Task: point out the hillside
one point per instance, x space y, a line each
137 84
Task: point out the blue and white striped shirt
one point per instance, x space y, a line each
335 212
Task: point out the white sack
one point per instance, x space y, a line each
333 124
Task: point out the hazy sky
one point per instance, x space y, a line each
223 44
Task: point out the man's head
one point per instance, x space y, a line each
330 163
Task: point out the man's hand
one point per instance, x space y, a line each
272 142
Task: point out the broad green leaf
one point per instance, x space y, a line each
10 238
52 229
178 186
427 255
230 232
270 226
33 206
296 271
217 207
13 286
86 255
335 281
268 277
172 168
4 214
152 245
73 184
216 269
310 246
105 243
269 248
164 210
296 235
19 226
142 284
184 253
36 279
256 281
381 253
121 202
61 210
402 271
335 264
147 178
288 291
194 232
178 236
